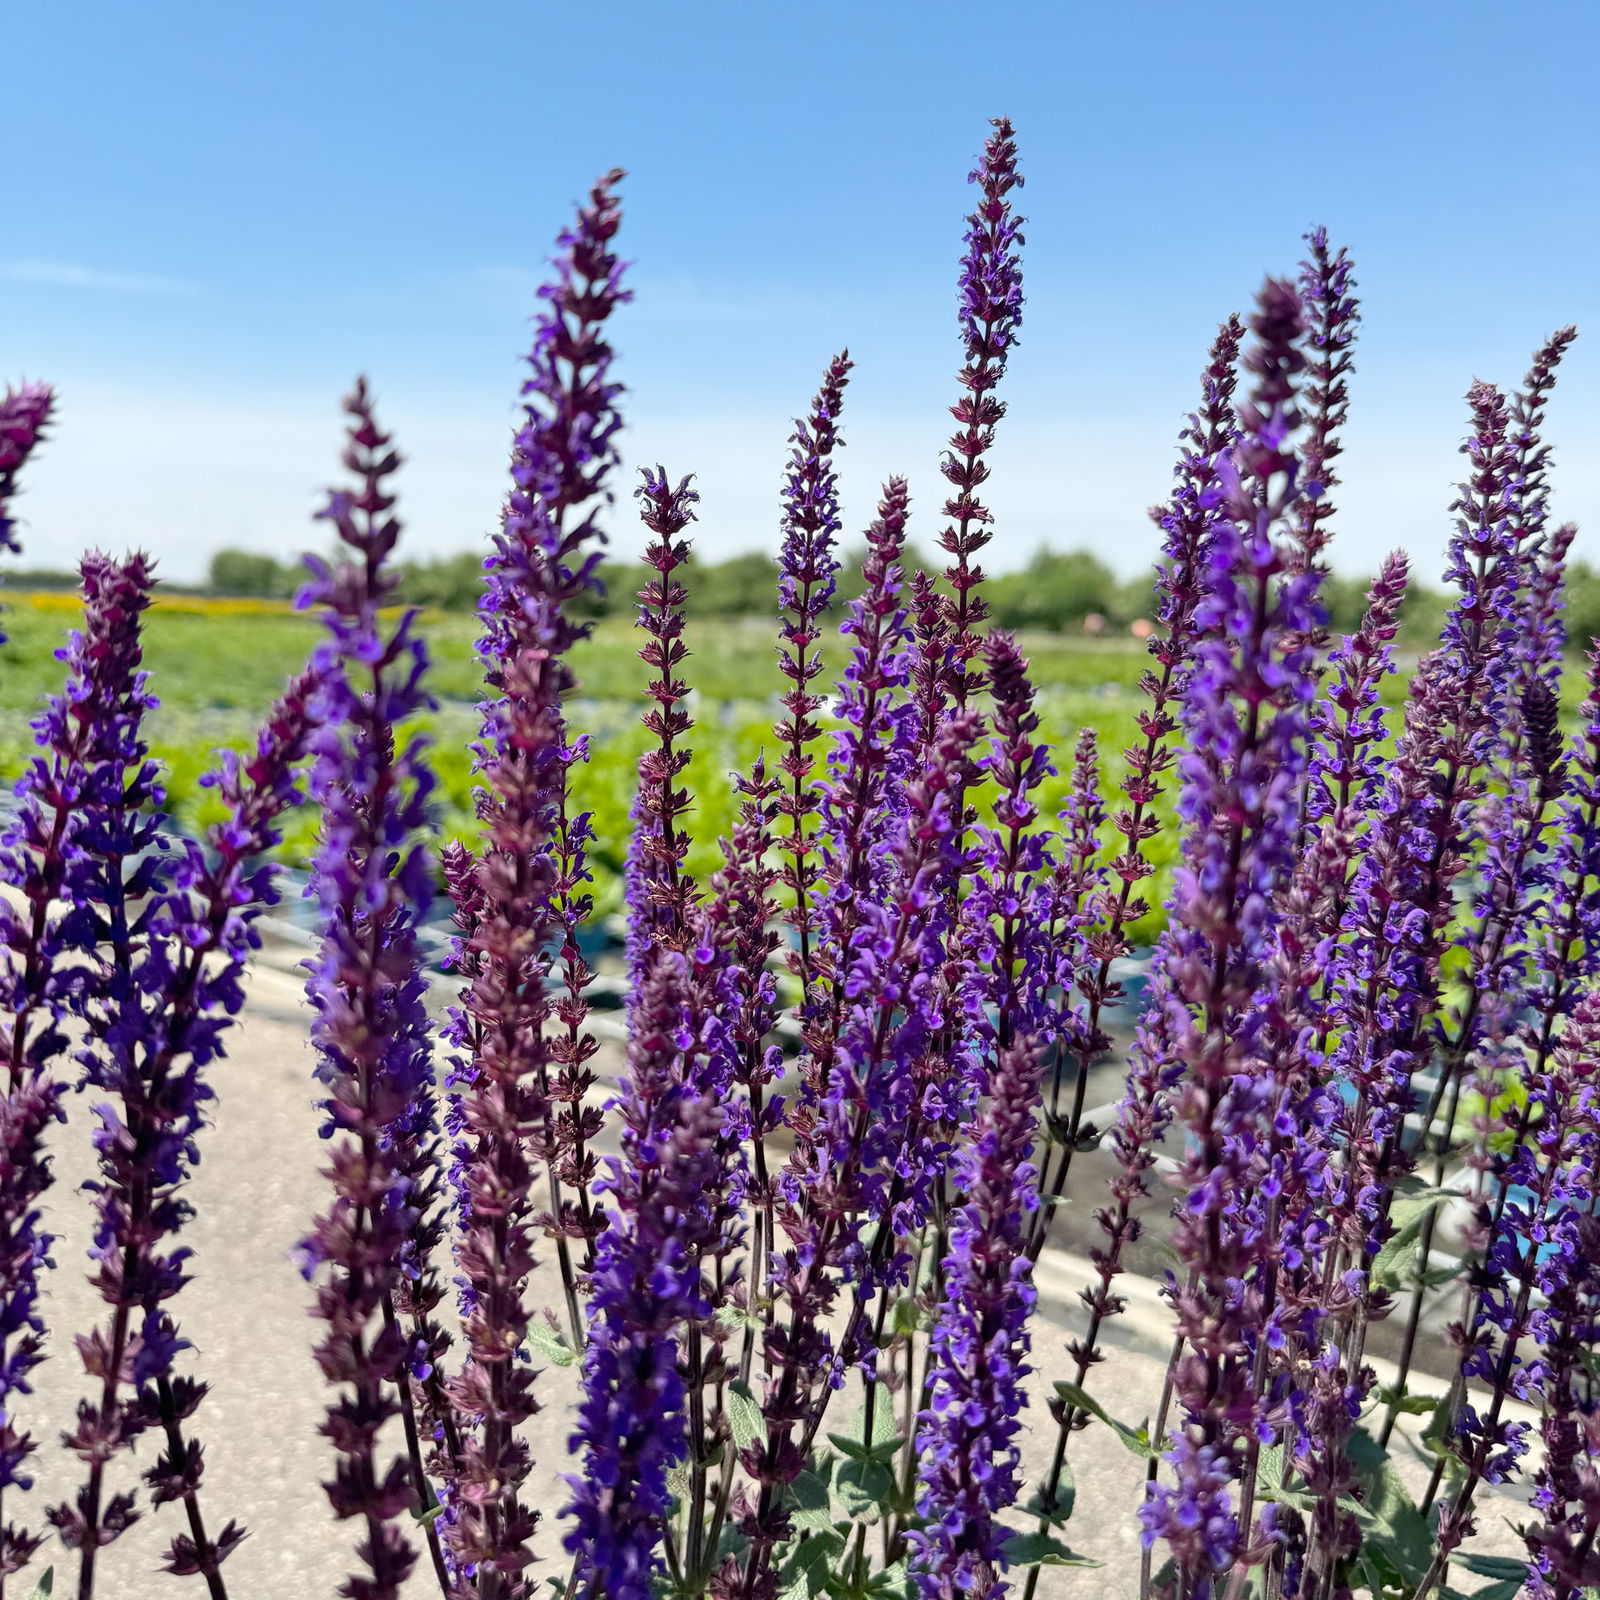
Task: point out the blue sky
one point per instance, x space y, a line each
215 216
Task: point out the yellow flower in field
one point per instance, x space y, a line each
194 605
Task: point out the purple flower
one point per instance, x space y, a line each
520 891
806 565
990 290
24 414
1247 716
1332 317
658 893
647 1289
873 1156
863 792
88 741
968 1457
372 882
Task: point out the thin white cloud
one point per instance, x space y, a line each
71 275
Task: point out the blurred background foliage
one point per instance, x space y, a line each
218 656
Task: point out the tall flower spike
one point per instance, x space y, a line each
1188 525
372 881
24 414
1346 768
869 1161
1332 316
658 892
1539 639
863 791
1394 929
807 565
1535 1246
1246 715
187 987
81 768
969 1465
990 313
744 911
647 1289
520 892
117 837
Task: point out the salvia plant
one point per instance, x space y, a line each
776 1251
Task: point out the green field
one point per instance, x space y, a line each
216 674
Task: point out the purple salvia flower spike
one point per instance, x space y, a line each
84 738
1187 523
1333 314
25 412
873 1157
522 892
1383 979
969 1458
1247 718
658 892
862 792
371 879
208 921
990 313
116 837
633 1419
166 941
1539 639
807 566
745 912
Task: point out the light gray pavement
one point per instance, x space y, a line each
246 1314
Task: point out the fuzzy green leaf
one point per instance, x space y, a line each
1135 1439
810 1567
45 1587
1482 1566
885 1442
811 1501
864 1489
1057 1512
745 1421
893 1583
550 1345
1040 1550
1395 1265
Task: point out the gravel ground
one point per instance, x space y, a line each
246 1315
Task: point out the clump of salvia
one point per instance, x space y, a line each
790 1232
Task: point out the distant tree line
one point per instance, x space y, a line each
1056 591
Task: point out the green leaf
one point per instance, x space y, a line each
1493 1566
45 1587
893 1581
1506 1589
812 1507
1040 1550
744 1417
908 1317
1135 1439
549 1344
1396 1527
1396 1263
864 1489
1407 1405
809 1568
1057 1512
885 1442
